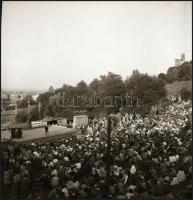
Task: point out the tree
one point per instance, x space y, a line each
44 99
51 89
49 111
162 76
95 85
82 88
185 72
21 117
34 115
180 73
24 102
172 74
131 81
148 89
185 94
112 85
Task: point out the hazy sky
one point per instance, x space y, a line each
51 43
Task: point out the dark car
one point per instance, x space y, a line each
16 132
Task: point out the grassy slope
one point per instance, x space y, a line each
174 88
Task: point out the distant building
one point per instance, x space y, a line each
16 97
4 96
35 96
180 61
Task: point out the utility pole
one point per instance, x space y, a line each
28 109
108 153
131 99
16 112
39 109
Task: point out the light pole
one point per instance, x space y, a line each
28 120
16 111
131 99
108 153
115 119
39 109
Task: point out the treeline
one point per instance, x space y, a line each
142 88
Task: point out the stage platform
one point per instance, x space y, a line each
38 134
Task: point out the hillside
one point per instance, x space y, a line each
174 88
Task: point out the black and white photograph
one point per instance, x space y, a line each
96 100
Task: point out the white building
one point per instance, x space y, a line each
4 96
35 96
180 61
16 97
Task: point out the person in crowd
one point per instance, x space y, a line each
46 130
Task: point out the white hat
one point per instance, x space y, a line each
66 158
164 143
78 165
133 169
55 160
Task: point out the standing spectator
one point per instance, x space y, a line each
46 130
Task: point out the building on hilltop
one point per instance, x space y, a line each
180 61
16 97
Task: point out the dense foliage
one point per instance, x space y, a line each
105 89
142 88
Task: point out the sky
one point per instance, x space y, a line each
52 43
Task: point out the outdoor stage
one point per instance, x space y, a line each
38 134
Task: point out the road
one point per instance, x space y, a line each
38 133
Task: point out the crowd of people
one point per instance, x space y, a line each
150 159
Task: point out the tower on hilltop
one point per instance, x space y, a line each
182 57
181 60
